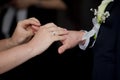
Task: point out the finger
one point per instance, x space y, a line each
57 30
49 25
36 22
61 32
62 49
25 23
35 19
58 38
29 31
29 34
35 28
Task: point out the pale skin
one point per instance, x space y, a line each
43 38
72 39
48 4
24 31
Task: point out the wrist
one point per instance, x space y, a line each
33 46
81 40
10 43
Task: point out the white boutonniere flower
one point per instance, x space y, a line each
100 16
100 13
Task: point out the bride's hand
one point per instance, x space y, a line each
25 29
46 35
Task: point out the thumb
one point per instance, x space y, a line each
30 32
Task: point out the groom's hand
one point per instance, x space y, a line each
72 39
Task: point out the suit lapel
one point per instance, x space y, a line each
109 7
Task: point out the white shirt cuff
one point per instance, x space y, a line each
83 47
